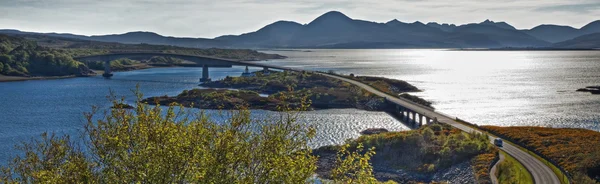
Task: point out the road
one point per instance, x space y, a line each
541 173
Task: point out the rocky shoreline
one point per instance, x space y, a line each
595 90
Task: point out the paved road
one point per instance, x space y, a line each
541 173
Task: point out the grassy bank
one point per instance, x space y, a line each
511 171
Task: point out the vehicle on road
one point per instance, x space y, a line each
498 142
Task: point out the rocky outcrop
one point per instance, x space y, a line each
372 131
592 89
84 71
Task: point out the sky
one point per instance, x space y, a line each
212 18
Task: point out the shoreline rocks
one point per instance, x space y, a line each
595 90
372 131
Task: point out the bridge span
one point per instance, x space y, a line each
412 113
204 61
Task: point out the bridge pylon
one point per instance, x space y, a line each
205 77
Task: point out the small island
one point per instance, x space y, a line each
287 88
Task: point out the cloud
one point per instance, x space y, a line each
210 18
575 8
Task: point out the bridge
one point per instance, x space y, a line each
410 112
415 113
204 61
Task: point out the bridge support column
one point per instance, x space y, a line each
420 120
426 120
266 71
107 72
400 111
412 121
406 115
205 77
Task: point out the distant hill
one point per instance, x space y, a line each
502 25
133 38
336 30
555 33
590 41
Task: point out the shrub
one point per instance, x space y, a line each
149 145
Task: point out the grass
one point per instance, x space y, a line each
561 176
574 150
512 171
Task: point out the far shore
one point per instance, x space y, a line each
4 78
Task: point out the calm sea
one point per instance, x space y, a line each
504 88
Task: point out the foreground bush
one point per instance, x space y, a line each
149 145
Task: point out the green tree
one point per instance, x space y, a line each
352 166
152 145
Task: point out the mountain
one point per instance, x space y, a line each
278 33
589 41
443 27
134 38
504 37
593 27
502 25
555 33
336 30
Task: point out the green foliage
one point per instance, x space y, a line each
49 160
426 149
481 165
21 57
152 145
353 167
324 92
512 171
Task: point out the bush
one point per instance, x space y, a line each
149 145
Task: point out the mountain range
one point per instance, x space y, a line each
336 30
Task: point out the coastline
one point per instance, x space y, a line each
4 78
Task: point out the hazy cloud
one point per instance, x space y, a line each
210 18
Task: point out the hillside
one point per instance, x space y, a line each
20 57
41 55
138 37
591 41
